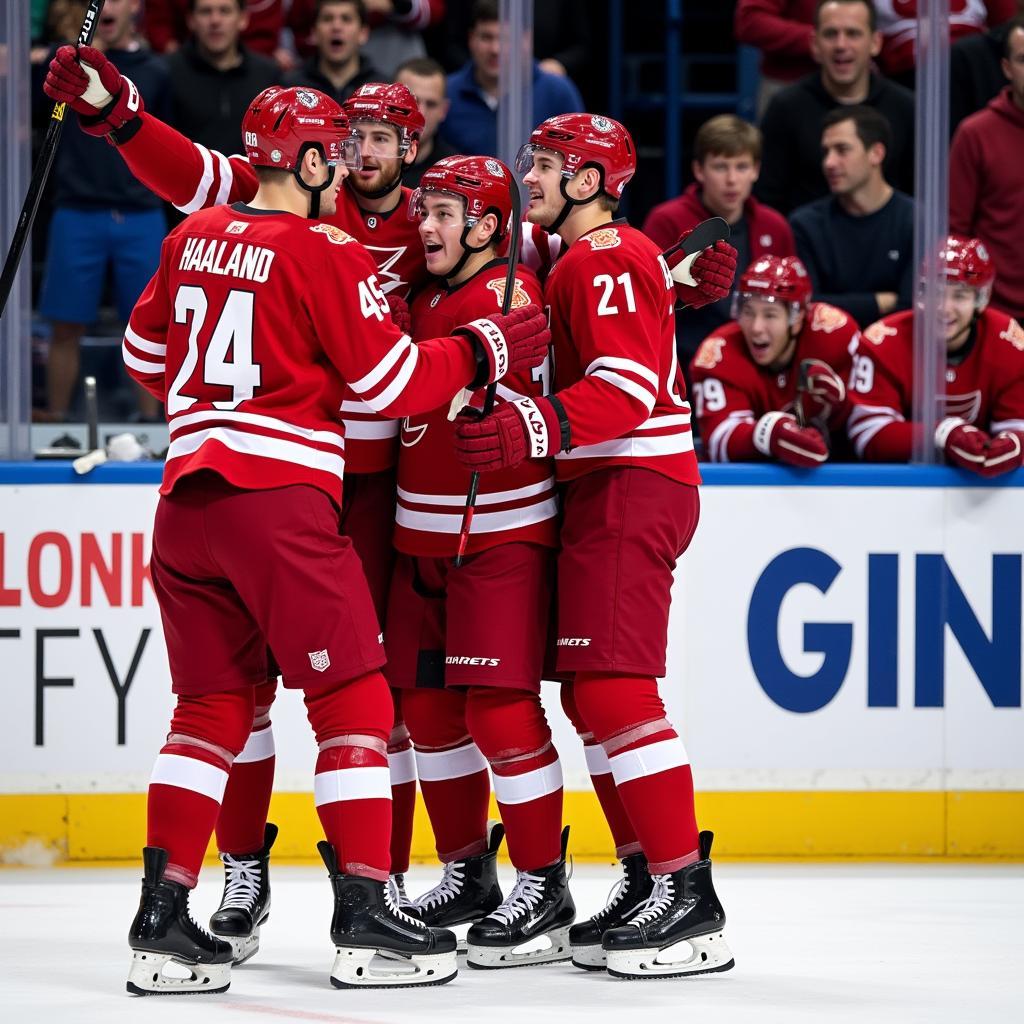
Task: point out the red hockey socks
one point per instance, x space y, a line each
352 722
190 775
402 767
510 728
648 762
623 833
452 771
243 812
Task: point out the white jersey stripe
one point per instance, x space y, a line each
483 522
371 430
397 386
1018 425
198 201
633 447
256 420
377 374
493 498
226 176
140 364
154 348
637 391
618 363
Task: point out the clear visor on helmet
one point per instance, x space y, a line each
379 140
527 153
743 308
350 155
955 292
442 205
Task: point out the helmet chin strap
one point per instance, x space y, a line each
467 251
570 202
314 191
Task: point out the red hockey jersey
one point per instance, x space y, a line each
616 370
251 330
986 388
731 392
513 504
193 178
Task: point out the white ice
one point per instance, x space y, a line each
829 943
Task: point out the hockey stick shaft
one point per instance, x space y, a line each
41 171
492 389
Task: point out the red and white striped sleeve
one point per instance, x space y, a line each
144 348
878 389
421 14
184 173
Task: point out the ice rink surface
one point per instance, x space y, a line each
815 942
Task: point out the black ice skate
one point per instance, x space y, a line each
400 896
245 904
632 890
677 932
376 944
531 926
468 890
163 932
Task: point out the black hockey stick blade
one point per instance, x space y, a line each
706 233
41 171
515 233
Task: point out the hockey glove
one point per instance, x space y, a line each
970 448
778 435
508 344
91 85
712 272
820 394
528 428
400 313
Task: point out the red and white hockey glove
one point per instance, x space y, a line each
527 429
508 344
820 393
400 313
712 273
102 97
778 435
970 448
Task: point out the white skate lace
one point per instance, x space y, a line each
391 902
242 886
527 893
397 885
657 903
447 889
614 898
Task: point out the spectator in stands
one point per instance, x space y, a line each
845 41
783 30
976 70
425 79
339 66
897 21
103 218
167 27
726 162
858 243
214 76
986 177
472 122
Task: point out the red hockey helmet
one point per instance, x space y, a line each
776 278
967 261
481 182
583 140
391 104
281 124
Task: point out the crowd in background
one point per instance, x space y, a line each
826 176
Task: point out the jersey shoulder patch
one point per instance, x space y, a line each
334 235
827 318
878 332
604 238
519 296
1014 334
710 353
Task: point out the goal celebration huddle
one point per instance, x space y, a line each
337 355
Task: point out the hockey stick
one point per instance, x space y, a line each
707 232
41 171
492 389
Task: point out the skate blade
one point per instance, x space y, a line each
148 976
701 954
373 968
589 958
548 948
243 947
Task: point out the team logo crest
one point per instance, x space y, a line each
604 238
412 435
275 155
878 332
494 169
334 235
827 318
307 99
1014 334
236 227
371 222
601 124
320 660
519 296
435 300
709 355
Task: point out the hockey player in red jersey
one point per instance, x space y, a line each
983 422
467 644
618 424
769 384
254 325
372 207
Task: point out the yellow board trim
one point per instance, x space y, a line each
88 827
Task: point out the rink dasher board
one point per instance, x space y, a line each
827 705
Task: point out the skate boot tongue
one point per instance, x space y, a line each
448 889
